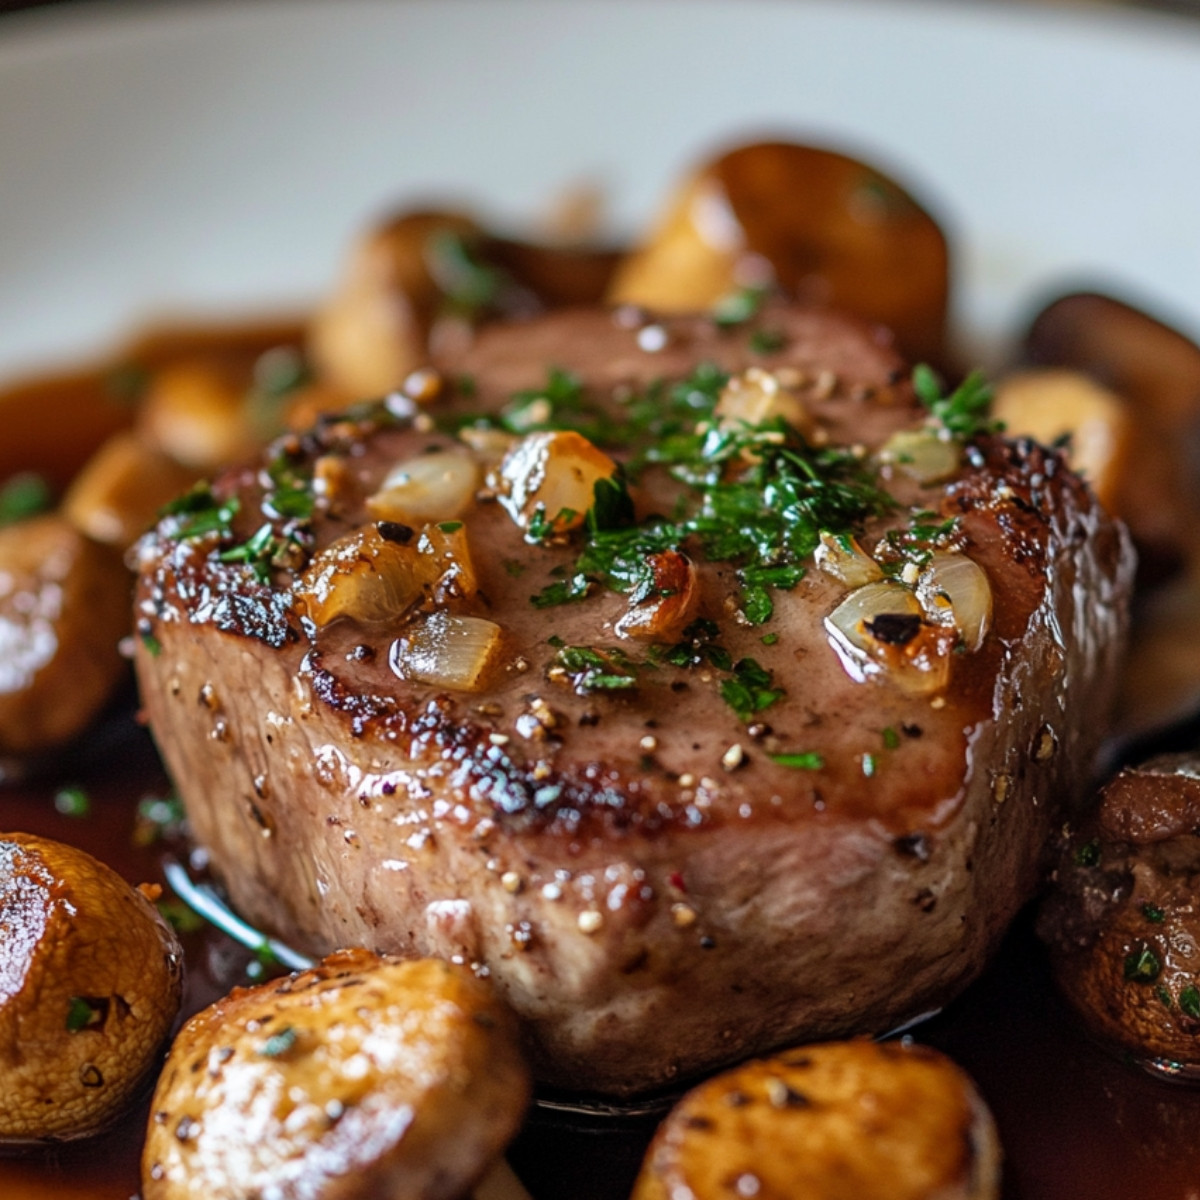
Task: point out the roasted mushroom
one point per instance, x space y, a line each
1155 369
1123 921
90 980
361 1077
64 606
824 227
839 1121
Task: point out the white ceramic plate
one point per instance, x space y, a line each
216 157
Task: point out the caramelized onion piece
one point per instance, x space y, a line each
553 475
447 651
879 631
380 573
922 455
671 604
756 396
430 487
840 556
954 590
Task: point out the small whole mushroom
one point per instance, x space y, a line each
855 1120
90 984
363 1076
1123 920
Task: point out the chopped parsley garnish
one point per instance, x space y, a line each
283 539
85 1012
152 644
891 739
1189 1002
278 1043
180 916
594 669
280 371
698 647
805 761
450 526
767 341
754 496
23 495
469 285
748 690
1088 855
1153 913
1142 965
201 513
158 817
127 382
72 802
965 411
739 307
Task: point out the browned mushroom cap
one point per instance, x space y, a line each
1156 370
853 1120
64 606
1123 922
360 1077
374 328
829 229
90 980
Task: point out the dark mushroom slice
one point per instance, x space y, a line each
1123 920
824 227
1155 369
90 981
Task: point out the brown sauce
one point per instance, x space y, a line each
1074 1122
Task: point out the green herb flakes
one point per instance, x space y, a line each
1153 913
1189 1002
804 761
1088 855
965 411
23 495
72 802
279 1043
749 689
767 341
891 739
738 307
180 916
594 669
1142 965
158 817
85 1012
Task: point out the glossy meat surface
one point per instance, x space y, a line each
656 882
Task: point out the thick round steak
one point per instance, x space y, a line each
709 782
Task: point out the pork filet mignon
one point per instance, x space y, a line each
763 746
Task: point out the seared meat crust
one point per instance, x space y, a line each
649 888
